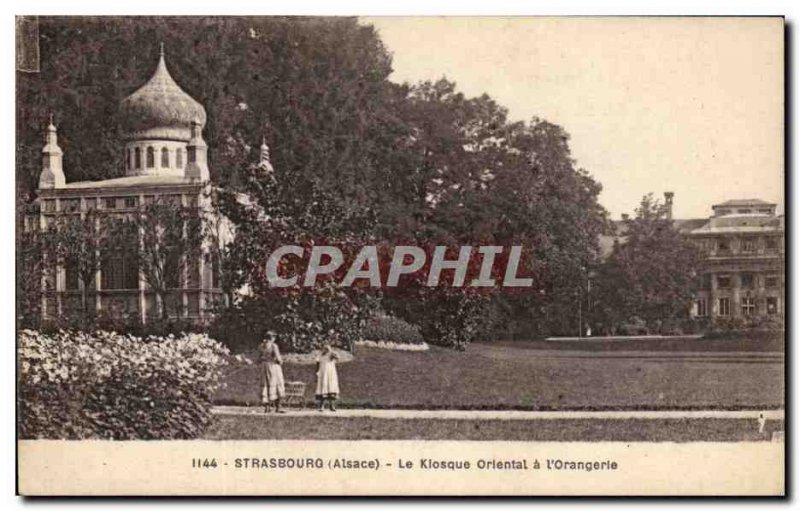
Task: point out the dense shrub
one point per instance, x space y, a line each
302 322
756 327
106 385
130 323
452 320
695 325
391 329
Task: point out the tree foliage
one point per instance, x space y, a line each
76 245
477 178
303 317
356 157
167 239
651 274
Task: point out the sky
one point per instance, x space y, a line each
689 105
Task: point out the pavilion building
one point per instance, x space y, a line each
164 158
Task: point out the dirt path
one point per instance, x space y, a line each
513 414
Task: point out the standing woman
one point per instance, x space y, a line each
272 388
327 378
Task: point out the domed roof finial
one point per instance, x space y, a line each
160 109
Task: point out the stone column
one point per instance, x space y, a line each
142 282
61 273
736 293
713 306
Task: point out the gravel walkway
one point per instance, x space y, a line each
513 414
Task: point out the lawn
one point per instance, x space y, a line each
584 430
773 343
522 376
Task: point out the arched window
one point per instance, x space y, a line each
179 158
164 157
151 157
137 158
126 160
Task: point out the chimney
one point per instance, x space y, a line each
668 196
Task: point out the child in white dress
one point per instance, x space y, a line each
327 378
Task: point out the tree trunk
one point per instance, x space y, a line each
84 312
161 309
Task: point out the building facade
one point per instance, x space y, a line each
743 274
165 159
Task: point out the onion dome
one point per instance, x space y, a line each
160 109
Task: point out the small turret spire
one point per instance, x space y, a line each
52 175
263 159
668 198
196 154
161 50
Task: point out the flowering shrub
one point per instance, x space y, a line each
391 329
106 385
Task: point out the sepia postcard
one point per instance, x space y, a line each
400 256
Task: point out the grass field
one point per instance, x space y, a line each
536 376
585 430
680 344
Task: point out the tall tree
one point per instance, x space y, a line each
356 157
652 271
476 178
304 317
76 241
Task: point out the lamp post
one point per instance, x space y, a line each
584 276
588 300
580 320
580 303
